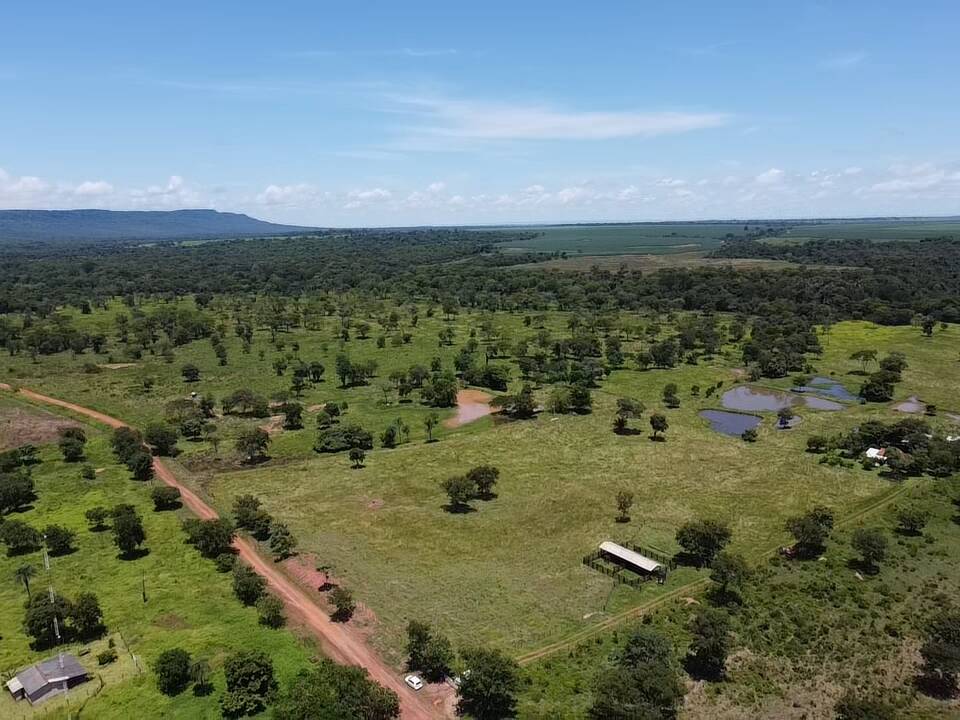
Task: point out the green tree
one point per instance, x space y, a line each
95 517
282 542
140 464
624 503
659 424
703 539
912 520
247 585
343 604
58 539
190 373
707 656
328 691
871 543
483 477
128 532
489 692
172 668
418 637
245 509
211 537
729 572
72 444
38 620
23 575
430 422
460 490
270 611
811 530
941 655
165 497
19 537
252 444
357 456
87 617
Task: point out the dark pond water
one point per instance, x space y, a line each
744 397
827 386
729 423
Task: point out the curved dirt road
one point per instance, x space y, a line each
338 643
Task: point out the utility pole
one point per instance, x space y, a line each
56 624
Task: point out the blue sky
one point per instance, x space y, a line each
388 113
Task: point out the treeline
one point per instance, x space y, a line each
889 283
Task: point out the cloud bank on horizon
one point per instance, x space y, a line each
416 115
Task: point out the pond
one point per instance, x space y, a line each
745 397
828 386
729 423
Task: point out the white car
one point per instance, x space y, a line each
413 681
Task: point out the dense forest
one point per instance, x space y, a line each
889 283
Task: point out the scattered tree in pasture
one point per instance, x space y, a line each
624 503
19 537
811 530
871 543
483 477
250 683
95 518
190 373
128 532
429 423
703 539
357 456
211 537
864 357
912 520
659 424
87 617
38 620
72 443
784 416
140 464
23 574
58 539
252 445
460 490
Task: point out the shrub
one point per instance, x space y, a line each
172 668
270 611
106 657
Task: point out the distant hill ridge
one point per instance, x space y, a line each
132 225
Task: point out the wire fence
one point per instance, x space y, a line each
599 561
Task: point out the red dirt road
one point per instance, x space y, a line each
336 639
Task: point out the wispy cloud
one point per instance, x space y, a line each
843 61
473 120
423 53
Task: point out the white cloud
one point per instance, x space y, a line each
470 120
93 188
770 177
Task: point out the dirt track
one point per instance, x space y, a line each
337 641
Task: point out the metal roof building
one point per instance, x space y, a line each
631 557
47 678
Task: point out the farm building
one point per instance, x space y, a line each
878 455
47 678
634 560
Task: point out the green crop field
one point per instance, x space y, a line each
626 239
188 604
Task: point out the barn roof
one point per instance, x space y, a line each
630 556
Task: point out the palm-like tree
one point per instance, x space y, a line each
23 575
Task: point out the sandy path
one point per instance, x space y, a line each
336 639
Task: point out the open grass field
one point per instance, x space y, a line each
188 604
873 230
625 239
663 240
510 572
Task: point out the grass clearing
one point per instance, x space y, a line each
188 603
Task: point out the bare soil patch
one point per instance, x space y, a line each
303 568
19 426
116 366
171 621
274 426
471 405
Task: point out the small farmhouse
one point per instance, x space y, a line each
46 679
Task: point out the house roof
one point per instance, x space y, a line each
55 669
876 452
629 556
